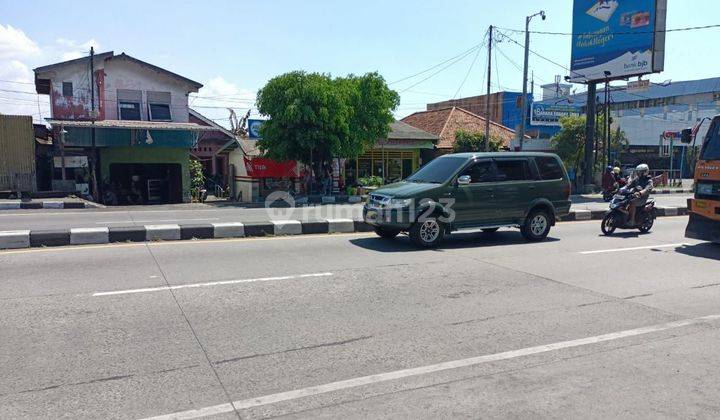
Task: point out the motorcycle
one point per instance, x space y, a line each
618 215
610 192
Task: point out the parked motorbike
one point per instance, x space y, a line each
618 216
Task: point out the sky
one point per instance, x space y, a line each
234 47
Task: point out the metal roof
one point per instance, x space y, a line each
403 131
655 91
128 124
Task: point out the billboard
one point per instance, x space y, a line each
623 37
549 115
254 128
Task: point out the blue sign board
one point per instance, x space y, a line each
254 128
549 115
615 39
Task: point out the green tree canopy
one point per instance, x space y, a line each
316 117
569 143
466 141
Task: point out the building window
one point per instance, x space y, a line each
129 110
159 106
129 104
67 88
159 112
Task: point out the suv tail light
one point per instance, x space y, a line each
567 190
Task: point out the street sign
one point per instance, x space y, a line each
615 39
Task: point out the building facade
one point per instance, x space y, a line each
123 128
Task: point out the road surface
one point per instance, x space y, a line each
353 326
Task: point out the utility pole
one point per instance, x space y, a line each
589 135
62 152
93 167
523 99
487 95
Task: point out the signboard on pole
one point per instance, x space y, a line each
549 115
254 128
614 39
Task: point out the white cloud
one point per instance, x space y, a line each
15 44
71 49
218 94
17 92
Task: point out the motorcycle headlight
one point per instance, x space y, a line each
398 203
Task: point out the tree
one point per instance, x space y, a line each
569 143
314 117
474 142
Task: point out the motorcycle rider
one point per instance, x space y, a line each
608 179
643 182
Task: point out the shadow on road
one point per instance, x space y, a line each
455 241
630 234
704 250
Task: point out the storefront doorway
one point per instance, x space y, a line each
146 183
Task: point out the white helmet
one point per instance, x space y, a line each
642 170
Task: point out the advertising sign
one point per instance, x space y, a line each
71 161
638 86
265 168
614 39
254 128
549 115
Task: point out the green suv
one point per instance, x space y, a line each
473 191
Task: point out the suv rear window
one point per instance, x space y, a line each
512 170
549 168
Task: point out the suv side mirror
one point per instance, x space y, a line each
686 136
464 180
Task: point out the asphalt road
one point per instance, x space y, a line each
353 326
190 214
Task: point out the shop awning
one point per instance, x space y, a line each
265 168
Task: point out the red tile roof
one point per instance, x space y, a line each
446 122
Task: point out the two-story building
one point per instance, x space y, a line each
124 123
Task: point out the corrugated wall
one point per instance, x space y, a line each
17 153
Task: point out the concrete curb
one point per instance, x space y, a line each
37 205
102 235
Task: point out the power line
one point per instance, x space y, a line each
689 28
441 69
463 54
505 36
477 54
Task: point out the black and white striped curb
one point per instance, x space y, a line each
36 205
581 215
174 232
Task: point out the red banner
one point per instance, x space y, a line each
266 168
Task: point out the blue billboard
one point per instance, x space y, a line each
615 39
254 128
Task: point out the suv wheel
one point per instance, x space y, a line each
536 226
428 232
386 233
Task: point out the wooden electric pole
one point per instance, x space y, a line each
93 167
487 95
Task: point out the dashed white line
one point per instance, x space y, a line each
636 248
424 370
210 284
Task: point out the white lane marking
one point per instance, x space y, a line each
602 251
210 284
424 370
153 221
